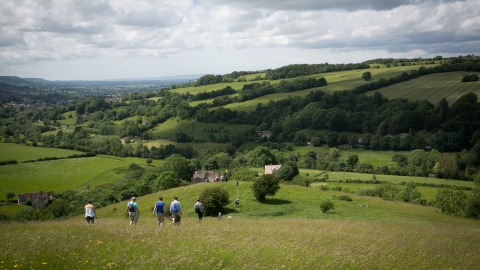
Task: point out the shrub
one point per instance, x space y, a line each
267 184
345 198
323 187
326 205
214 200
337 188
452 201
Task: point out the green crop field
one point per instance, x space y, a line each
67 120
61 175
22 153
197 130
433 88
288 231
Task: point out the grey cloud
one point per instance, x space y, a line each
52 25
348 5
93 9
7 39
148 19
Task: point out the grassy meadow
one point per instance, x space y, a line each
23 153
433 88
63 174
287 232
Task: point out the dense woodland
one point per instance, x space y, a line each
444 139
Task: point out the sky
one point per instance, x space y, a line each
101 39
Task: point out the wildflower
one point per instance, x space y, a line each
86 261
44 263
15 266
109 264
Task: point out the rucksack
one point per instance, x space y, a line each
175 208
130 207
197 208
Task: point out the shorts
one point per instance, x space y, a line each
133 216
161 217
90 219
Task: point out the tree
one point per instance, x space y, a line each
367 76
267 184
167 180
411 194
351 159
180 165
214 200
149 161
10 195
285 173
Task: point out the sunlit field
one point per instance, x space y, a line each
433 88
22 153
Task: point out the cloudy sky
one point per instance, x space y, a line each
102 39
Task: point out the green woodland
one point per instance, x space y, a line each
328 125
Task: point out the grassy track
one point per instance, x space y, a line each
22 153
286 232
433 88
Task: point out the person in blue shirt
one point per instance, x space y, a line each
159 210
132 210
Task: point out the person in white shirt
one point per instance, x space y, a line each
90 212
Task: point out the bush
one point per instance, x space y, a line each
323 187
345 198
267 184
337 188
326 205
452 201
214 200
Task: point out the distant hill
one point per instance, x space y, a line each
13 80
37 80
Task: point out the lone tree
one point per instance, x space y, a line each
10 195
367 76
214 200
149 161
267 184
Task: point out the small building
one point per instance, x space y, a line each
264 133
271 169
202 176
38 199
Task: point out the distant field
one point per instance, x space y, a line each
22 153
60 175
198 130
69 121
433 88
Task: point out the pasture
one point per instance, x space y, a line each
433 88
61 175
22 153
287 232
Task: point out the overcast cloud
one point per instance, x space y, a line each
100 39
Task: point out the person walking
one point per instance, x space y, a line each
132 210
176 211
198 209
159 210
90 212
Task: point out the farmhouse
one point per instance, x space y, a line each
271 169
38 199
202 176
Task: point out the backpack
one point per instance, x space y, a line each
175 208
130 207
197 208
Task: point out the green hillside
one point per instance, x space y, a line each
433 88
287 232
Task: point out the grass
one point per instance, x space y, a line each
385 235
22 153
433 88
61 175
